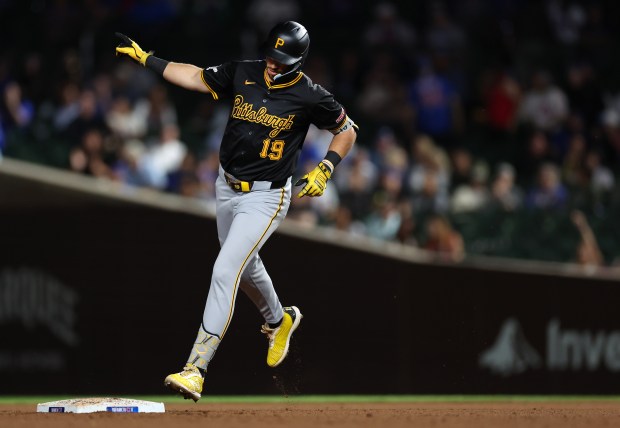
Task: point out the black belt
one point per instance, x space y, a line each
247 186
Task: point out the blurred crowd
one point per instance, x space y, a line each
464 107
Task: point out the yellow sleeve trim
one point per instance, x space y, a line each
213 93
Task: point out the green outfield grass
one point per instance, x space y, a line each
333 398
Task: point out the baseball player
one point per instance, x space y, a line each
273 104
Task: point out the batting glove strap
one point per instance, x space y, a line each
315 180
132 49
333 158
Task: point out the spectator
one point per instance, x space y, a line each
87 117
602 179
584 94
68 105
126 167
588 254
391 182
385 219
389 31
33 79
602 182
347 78
505 195
611 136
537 152
182 179
195 178
443 240
461 162
502 99
430 197
407 230
162 158
549 193
446 44
567 19
156 111
356 179
123 120
189 185
388 153
443 37
436 105
102 88
208 170
573 167
16 112
382 98
344 221
91 157
133 82
545 105
429 177
472 196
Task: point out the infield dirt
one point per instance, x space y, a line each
448 415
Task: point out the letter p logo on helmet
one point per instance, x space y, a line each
279 42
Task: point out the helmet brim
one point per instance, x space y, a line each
281 57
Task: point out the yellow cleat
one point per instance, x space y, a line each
280 337
188 383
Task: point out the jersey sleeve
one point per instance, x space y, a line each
218 79
326 112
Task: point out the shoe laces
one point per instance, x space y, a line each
190 369
270 332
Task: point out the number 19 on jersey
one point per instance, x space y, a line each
272 149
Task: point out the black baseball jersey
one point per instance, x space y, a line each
268 122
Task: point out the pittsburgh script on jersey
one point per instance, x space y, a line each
245 111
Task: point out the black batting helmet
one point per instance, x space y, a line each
288 43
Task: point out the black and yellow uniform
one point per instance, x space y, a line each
259 152
269 121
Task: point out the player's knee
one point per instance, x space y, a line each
222 275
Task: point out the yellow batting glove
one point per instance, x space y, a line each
131 48
316 181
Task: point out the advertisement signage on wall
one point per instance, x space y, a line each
566 350
35 304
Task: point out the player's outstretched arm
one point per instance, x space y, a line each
316 180
185 75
